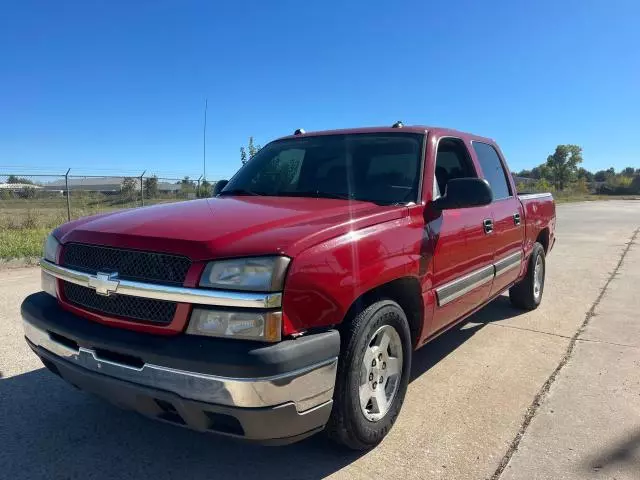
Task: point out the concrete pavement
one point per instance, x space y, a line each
588 427
476 407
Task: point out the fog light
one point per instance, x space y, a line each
247 325
49 284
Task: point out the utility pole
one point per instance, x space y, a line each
204 141
66 186
142 189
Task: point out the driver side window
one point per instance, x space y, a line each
452 161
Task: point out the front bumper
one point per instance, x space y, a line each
273 394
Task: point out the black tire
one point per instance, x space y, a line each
523 294
348 425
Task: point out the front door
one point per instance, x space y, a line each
463 246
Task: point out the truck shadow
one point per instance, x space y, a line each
50 430
428 356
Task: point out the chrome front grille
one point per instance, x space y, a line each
133 265
121 306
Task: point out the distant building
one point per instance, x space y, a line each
166 187
106 185
17 187
90 184
524 180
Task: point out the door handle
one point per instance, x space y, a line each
516 218
487 223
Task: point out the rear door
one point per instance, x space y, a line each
508 218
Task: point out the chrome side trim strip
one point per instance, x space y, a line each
507 263
306 387
531 196
199 296
458 287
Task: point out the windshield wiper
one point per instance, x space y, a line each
316 194
239 191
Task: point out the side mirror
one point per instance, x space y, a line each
217 188
465 193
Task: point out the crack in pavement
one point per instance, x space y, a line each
539 398
529 330
533 330
607 343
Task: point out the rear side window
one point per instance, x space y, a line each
493 170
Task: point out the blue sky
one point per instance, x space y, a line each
119 86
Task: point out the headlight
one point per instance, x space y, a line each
258 274
51 245
246 325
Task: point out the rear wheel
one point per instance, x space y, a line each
527 293
373 374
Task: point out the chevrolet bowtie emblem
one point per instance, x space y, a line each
104 283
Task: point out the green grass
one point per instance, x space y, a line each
24 223
22 243
561 197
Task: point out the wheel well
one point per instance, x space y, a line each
406 292
543 239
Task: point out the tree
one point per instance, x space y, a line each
580 185
28 192
585 174
563 164
14 179
628 172
205 189
252 149
601 176
151 187
187 186
128 188
541 185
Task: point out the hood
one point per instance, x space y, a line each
229 226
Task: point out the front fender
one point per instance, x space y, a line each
326 279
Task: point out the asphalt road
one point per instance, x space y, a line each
548 394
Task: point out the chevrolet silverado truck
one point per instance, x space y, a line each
292 301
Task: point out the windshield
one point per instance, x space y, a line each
380 168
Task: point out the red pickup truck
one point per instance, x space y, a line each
292 301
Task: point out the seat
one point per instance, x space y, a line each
442 177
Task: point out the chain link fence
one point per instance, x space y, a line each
46 201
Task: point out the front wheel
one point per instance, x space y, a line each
373 374
527 293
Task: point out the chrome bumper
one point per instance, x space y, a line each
306 388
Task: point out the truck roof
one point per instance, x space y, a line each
387 129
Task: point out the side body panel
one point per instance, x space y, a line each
508 230
463 253
324 280
540 218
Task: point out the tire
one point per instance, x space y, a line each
363 427
526 294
